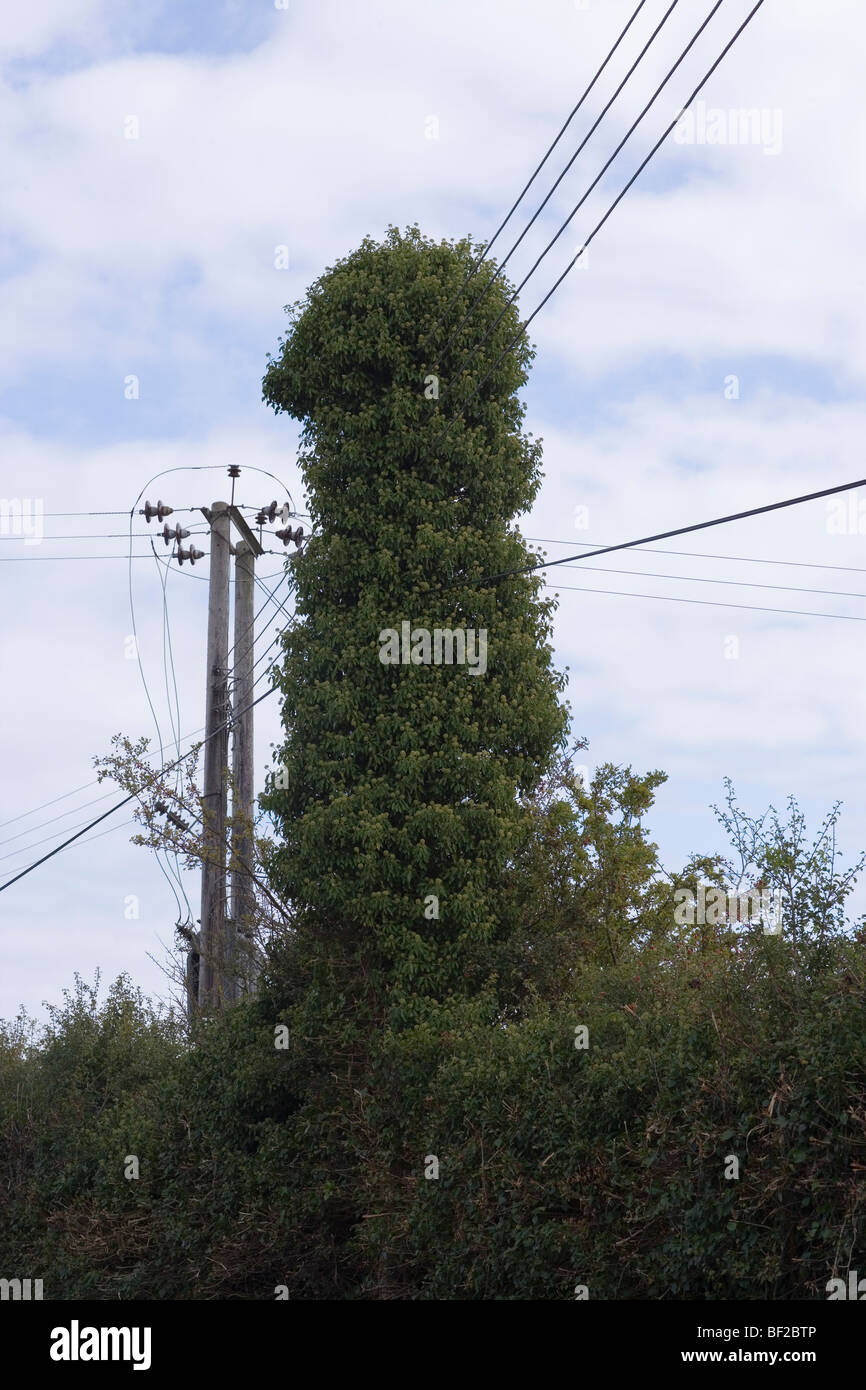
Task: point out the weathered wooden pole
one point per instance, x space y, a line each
211 989
241 925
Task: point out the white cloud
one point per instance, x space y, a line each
33 29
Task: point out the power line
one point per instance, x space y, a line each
737 583
705 602
53 802
103 536
155 752
109 831
174 718
243 864
593 128
474 270
25 849
262 656
53 819
85 787
280 604
187 468
177 509
188 573
165 871
269 597
133 796
665 535
601 223
705 555
14 559
113 536
168 655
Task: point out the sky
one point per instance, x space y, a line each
177 173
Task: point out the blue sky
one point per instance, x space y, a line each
308 126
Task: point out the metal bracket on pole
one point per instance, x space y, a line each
247 534
241 523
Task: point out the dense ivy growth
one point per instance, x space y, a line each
398 783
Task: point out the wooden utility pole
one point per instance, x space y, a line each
240 942
222 954
211 985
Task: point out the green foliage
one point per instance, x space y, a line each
76 1097
584 879
605 1166
400 781
776 855
558 1165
